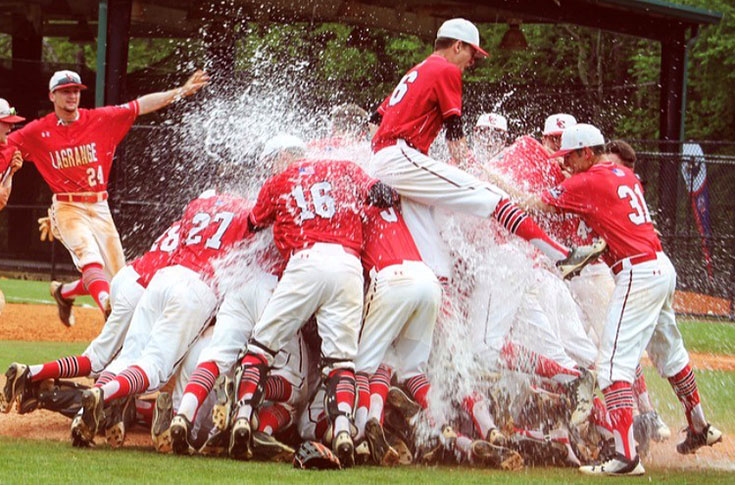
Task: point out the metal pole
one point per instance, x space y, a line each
99 87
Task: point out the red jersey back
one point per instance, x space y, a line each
210 226
609 198
387 239
76 157
314 202
428 94
159 256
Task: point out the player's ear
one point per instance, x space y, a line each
51 96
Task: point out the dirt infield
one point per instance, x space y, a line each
40 323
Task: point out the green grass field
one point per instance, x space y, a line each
32 461
24 291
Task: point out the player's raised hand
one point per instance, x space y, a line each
196 82
16 162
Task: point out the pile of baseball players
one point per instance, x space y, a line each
303 324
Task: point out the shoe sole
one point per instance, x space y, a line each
381 452
272 450
240 444
79 433
115 435
401 402
346 454
10 393
55 288
160 432
497 456
570 271
92 412
223 406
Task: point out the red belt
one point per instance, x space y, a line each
88 198
311 245
633 260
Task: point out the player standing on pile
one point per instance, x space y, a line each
426 99
609 198
73 150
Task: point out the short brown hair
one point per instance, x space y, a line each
444 42
622 150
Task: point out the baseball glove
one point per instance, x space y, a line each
46 228
314 455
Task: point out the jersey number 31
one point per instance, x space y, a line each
640 214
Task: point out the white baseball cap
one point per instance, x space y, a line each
579 136
557 123
463 30
280 142
493 120
65 79
7 113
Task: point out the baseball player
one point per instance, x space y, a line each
73 150
126 289
490 135
10 158
426 99
609 198
174 309
401 308
553 127
315 208
349 125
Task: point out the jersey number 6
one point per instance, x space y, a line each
402 88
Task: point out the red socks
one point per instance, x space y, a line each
516 221
619 402
130 381
419 387
520 358
73 289
95 281
277 388
251 374
202 381
685 387
273 418
73 366
104 378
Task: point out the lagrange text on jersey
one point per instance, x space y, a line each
74 156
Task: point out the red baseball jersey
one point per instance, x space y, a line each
314 201
210 226
387 239
527 163
609 198
428 94
159 256
76 157
6 156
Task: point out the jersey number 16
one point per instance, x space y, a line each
321 201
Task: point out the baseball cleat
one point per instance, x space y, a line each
120 418
93 403
180 435
224 389
618 466
161 426
241 440
401 401
405 457
64 305
16 378
659 431
495 437
695 440
267 447
344 448
583 395
580 257
382 453
80 436
496 456
538 450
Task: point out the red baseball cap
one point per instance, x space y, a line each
65 79
7 113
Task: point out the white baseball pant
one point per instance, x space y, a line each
236 318
312 413
424 183
592 290
325 281
203 420
641 316
89 234
401 307
173 311
125 293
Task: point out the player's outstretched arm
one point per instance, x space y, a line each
155 101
